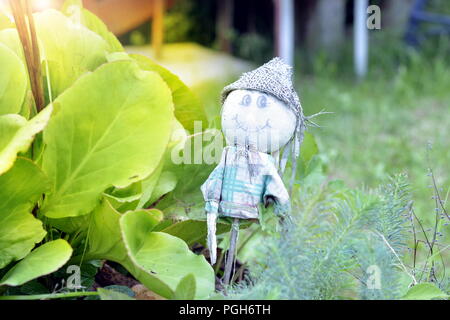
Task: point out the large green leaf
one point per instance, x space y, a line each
110 128
168 258
148 185
186 288
105 242
42 261
75 11
125 199
17 134
70 224
192 231
166 183
155 186
5 22
156 259
69 48
425 291
19 230
187 200
10 38
188 107
13 81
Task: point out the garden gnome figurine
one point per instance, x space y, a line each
261 119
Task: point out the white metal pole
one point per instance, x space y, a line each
361 38
285 30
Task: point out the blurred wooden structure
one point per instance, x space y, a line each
122 16
419 15
225 13
158 26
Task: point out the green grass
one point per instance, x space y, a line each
385 124
395 121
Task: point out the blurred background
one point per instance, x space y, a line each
383 72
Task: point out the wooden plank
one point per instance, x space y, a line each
158 27
121 16
225 11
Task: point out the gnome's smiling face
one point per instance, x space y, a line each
258 119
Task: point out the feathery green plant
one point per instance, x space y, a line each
348 239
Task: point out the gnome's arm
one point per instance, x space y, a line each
212 190
276 193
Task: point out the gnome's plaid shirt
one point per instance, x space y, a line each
243 179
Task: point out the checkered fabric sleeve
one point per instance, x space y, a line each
275 189
212 188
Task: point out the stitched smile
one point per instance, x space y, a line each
241 126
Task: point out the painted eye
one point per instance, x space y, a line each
246 100
262 102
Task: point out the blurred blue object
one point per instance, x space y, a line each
419 15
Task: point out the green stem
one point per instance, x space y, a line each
219 262
51 296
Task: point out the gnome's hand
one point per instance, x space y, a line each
268 200
286 222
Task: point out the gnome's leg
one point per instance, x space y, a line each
231 251
212 241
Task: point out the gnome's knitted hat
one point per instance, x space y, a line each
275 78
